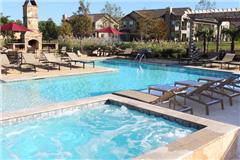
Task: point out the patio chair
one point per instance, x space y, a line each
235 63
196 56
153 99
5 63
197 93
50 58
29 59
226 59
63 50
226 88
199 83
96 52
74 58
126 52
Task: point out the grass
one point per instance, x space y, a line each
223 46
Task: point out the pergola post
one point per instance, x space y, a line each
218 35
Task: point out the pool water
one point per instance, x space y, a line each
131 75
103 132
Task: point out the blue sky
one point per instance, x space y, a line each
56 8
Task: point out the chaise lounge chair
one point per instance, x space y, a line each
5 63
50 58
126 52
29 59
196 94
226 59
153 99
226 88
235 63
74 58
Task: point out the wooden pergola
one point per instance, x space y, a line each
215 16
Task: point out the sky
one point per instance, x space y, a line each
56 8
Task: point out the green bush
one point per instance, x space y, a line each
162 49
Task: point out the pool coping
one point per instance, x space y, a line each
193 145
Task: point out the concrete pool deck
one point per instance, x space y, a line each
15 75
214 140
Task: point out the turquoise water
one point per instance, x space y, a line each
105 132
34 93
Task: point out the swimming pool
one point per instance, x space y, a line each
107 131
131 75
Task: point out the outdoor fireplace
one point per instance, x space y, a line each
33 45
33 39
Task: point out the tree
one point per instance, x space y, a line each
83 8
149 28
65 30
4 19
81 23
19 22
113 10
157 29
82 26
49 29
205 4
234 33
206 35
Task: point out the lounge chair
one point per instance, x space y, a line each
153 99
50 58
226 88
3 70
96 52
189 83
5 63
29 59
126 52
235 63
63 50
74 58
207 61
196 94
196 56
226 59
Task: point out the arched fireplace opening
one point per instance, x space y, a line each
33 45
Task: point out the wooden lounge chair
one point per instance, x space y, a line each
197 93
153 99
74 58
226 59
5 63
50 58
226 88
29 59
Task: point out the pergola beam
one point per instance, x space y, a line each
215 16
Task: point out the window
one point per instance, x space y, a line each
184 25
102 35
124 24
131 23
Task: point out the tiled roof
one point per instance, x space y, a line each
155 13
97 16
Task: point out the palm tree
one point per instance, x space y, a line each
206 35
234 33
